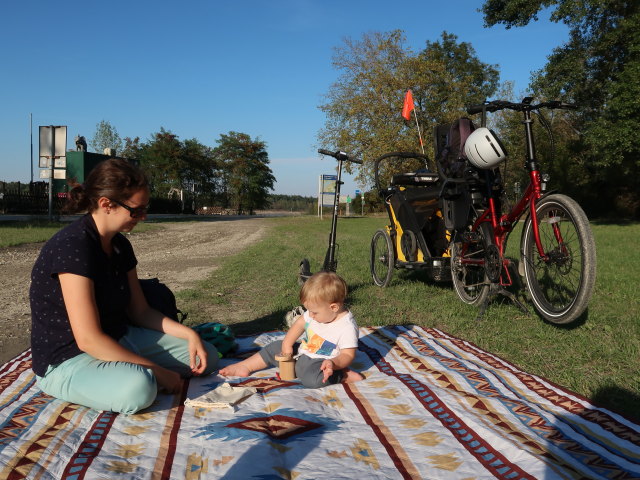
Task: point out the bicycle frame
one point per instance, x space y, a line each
502 224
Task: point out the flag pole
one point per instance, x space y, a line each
419 133
406 113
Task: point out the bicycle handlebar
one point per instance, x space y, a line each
338 155
495 105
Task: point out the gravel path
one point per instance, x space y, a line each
180 254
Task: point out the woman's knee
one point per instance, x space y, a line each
111 386
137 391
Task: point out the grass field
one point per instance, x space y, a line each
13 233
597 357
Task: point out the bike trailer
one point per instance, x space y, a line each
416 237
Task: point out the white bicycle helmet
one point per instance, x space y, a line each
484 149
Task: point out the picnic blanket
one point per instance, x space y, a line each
432 406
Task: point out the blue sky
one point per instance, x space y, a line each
200 68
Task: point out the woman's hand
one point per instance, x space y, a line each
197 354
168 381
327 369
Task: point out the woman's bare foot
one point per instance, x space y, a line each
235 370
351 377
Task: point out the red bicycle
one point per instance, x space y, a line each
557 249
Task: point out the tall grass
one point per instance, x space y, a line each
596 357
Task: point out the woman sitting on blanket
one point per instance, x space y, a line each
331 338
94 339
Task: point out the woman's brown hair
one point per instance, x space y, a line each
115 178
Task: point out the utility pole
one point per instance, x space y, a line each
31 134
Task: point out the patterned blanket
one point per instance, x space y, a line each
432 406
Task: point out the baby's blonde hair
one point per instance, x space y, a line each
324 287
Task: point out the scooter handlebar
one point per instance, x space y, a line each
338 155
325 152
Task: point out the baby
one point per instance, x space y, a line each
330 341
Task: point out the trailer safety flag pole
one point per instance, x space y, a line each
407 107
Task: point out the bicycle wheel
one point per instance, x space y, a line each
468 271
382 259
561 286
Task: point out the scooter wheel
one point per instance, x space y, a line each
304 272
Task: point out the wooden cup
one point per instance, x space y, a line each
287 365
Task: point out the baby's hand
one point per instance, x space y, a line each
327 369
284 356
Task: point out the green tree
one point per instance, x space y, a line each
363 107
131 148
292 203
187 170
201 174
161 158
598 69
106 136
247 176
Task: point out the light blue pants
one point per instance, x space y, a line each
120 386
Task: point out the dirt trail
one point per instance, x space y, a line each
180 254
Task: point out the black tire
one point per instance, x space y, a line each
304 272
560 288
382 260
470 281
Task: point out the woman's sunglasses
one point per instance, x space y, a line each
134 212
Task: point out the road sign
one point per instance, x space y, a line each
53 141
329 183
58 173
326 192
53 147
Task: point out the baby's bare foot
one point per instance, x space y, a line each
235 370
351 377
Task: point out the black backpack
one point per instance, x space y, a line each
452 157
160 297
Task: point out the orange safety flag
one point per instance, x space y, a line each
408 105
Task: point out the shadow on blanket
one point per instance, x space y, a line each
615 397
432 406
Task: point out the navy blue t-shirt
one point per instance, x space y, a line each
76 249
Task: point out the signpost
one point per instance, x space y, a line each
327 187
53 147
